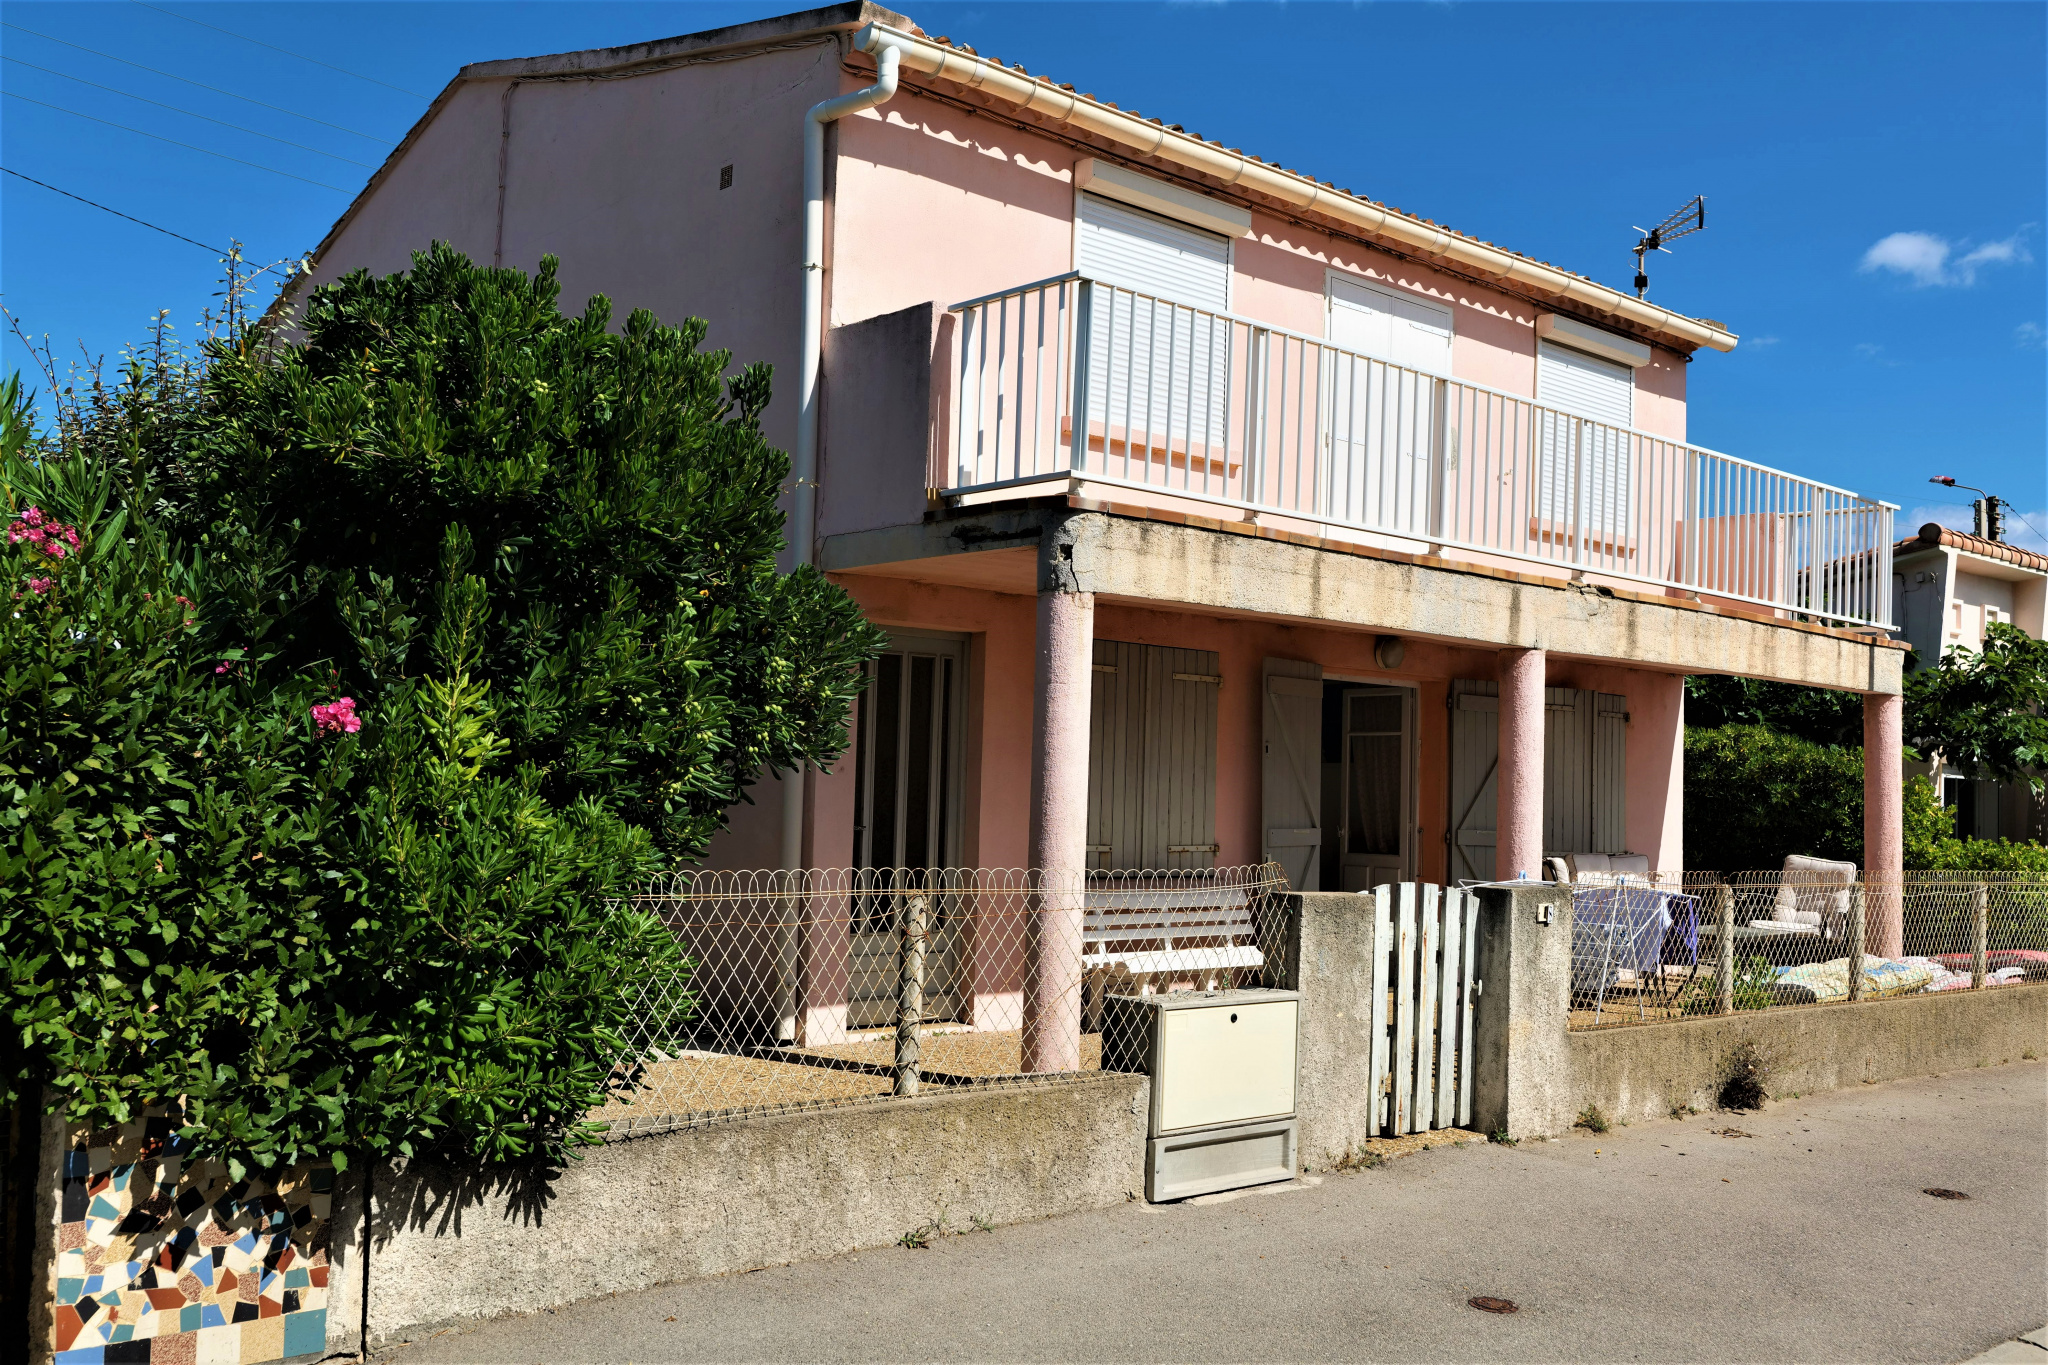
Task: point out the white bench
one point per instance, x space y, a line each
1187 933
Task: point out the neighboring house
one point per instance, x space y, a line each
1216 513
1949 586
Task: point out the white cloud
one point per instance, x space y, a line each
1874 353
2030 336
1760 341
1928 260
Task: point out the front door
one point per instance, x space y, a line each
1377 835
905 821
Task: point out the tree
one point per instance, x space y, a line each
616 506
1753 796
1985 712
1816 714
478 614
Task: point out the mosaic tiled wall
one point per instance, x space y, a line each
179 1264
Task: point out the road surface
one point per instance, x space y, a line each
1801 1235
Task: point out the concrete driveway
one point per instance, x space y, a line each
1802 1235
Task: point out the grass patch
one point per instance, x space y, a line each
1592 1118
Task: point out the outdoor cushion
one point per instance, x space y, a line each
1813 892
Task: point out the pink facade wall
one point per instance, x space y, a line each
935 203
620 179
998 753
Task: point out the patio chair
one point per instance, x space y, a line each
1812 900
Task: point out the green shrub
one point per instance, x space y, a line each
1754 796
383 662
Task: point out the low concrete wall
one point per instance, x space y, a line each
447 1248
1644 1071
1534 1076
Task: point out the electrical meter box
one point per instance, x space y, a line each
1223 1080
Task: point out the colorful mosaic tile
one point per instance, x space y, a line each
176 1263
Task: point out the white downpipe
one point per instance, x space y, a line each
804 465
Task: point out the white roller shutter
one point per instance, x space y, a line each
1155 357
1152 255
1585 468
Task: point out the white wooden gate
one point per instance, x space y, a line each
1423 942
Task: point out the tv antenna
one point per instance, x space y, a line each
1692 218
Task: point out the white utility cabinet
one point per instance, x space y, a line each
1223 1082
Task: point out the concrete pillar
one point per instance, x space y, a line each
1884 831
1523 1077
1059 829
1518 818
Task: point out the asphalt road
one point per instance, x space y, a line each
1807 1240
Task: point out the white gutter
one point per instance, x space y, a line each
803 537
1233 168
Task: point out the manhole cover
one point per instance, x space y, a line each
1487 1305
1940 1193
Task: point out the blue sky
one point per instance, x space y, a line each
1875 173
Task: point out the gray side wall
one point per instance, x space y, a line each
750 1193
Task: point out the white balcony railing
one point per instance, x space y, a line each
1075 378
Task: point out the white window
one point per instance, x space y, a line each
1158 359
1379 411
1585 477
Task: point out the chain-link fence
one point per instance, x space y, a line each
1673 945
828 987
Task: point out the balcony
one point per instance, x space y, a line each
1073 381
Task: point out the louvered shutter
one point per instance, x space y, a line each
1152 757
1585 475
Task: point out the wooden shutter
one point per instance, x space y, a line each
1475 775
1585 774
1152 757
1291 775
1567 771
1610 774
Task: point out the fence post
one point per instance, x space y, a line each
910 992
1856 941
1980 932
1724 951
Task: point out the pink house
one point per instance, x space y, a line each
1218 514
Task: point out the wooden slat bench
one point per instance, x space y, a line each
1155 939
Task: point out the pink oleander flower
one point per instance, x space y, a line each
226 667
338 716
45 534
39 586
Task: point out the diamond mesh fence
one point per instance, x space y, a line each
848 986
1673 945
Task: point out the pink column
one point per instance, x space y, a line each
1884 825
1518 814
1059 830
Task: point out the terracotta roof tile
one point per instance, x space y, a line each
1934 534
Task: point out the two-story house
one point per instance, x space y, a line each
1217 513
1947 587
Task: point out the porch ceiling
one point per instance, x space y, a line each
1247 572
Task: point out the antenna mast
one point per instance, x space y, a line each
1692 218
